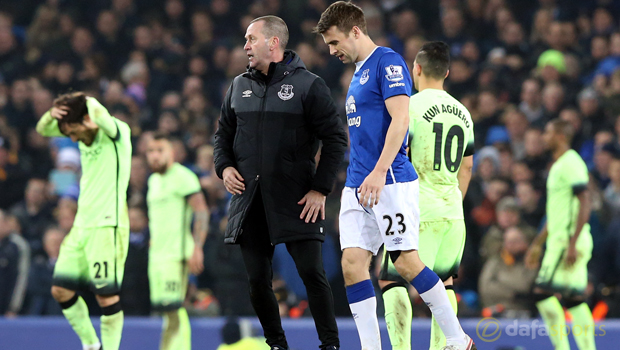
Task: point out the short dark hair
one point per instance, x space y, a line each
76 101
344 15
274 26
563 127
159 135
434 58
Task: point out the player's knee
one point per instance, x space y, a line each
172 319
408 264
61 294
107 300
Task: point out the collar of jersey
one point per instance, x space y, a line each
359 65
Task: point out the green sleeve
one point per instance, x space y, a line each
48 126
100 115
187 183
577 175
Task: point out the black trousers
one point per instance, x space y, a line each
257 253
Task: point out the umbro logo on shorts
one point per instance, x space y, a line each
397 240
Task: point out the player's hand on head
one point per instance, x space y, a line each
314 203
233 181
370 190
196 262
59 112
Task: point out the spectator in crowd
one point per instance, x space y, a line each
15 258
505 282
531 203
11 176
34 214
508 215
40 301
531 102
612 191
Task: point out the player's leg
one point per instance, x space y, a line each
176 330
361 296
583 324
575 280
106 252
441 249
308 259
359 239
257 253
397 304
548 305
398 216
71 274
168 286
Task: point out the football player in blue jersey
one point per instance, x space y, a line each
380 199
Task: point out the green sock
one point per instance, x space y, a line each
552 313
438 339
176 331
112 330
77 315
398 316
583 327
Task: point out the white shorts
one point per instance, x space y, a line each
395 221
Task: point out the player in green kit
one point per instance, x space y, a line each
564 268
174 194
442 148
93 254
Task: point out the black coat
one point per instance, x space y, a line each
269 130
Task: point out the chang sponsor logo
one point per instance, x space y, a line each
355 121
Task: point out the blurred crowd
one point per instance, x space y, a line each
165 65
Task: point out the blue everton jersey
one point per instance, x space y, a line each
382 75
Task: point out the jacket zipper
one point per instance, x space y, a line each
260 150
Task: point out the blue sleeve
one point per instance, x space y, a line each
393 76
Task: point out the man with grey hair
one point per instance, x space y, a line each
272 119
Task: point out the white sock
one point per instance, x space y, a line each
437 300
365 316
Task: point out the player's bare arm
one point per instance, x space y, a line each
201 226
532 257
370 190
464 174
582 218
